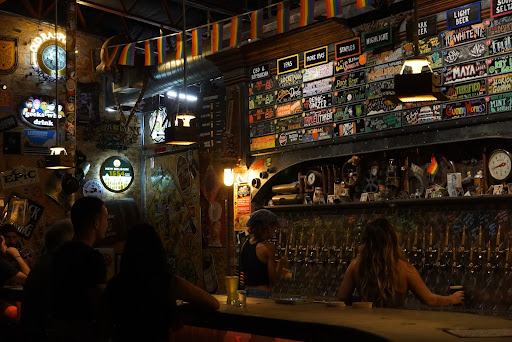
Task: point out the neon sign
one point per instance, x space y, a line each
41 112
44 55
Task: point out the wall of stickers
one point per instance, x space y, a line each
311 98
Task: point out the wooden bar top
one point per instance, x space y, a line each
317 322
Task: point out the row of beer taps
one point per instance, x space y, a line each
422 252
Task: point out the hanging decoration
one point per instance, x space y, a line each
283 17
257 24
217 36
236 23
127 56
180 52
196 42
332 8
149 55
161 45
363 3
307 12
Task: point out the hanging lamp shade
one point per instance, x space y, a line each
180 134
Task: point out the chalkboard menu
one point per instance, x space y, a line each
311 99
211 119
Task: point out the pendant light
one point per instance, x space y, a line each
182 130
58 158
417 82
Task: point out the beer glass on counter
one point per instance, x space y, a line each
232 290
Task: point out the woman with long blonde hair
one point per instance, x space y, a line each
381 274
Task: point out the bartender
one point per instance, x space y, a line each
257 258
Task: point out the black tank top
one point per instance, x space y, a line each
255 272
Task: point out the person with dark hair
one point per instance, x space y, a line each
381 274
9 273
78 275
140 301
35 312
10 234
257 258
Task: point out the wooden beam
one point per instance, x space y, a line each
167 12
123 5
29 8
49 9
39 9
133 5
81 17
126 15
208 6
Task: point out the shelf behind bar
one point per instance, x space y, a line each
483 201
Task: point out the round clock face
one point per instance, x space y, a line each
93 188
500 165
311 179
48 61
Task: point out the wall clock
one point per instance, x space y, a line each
47 60
500 164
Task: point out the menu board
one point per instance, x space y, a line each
311 98
212 119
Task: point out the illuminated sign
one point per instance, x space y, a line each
156 124
116 174
40 112
44 56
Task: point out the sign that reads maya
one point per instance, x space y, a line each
377 38
462 16
500 7
116 174
44 55
41 112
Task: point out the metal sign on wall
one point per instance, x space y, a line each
8 55
116 174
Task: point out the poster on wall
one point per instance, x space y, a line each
87 104
116 174
38 142
8 55
242 205
23 213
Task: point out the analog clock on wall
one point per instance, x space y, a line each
500 165
47 60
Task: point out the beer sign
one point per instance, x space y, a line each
499 45
464 90
350 63
464 109
261 86
378 38
427 26
464 72
288 123
349 95
288 94
465 53
349 80
500 84
19 176
463 16
288 64
349 128
289 138
260 72
384 71
317 72
500 7
381 105
262 143
348 48
500 103
261 128
317 134
421 115
116 174
289 108
379 89
318 117
499 65
317 102
316 56
289 79
261 100
463 35
317 87
259 114
382 122
349 112
499 26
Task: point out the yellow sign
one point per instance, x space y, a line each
8 55
49 53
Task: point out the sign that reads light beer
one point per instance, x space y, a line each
316 56
288 64
41 112
500 7
116 174
463 16
260 72
44 55
378 38
348 48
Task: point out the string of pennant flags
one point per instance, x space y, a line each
124 54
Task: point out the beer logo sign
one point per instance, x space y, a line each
463 34
262 128
8 55
465 90
349 95
500 103
464 109
48 57
261 114
349 80
420 115
500 45
318 117
288 123
349 112
500 84
499 26
463 72
317 102
289 79
317 87
350 63
465 53
261 100
499 65
317 134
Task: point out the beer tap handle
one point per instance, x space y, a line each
463 241
430 238
423 241
446 237
471 253
489 251
480 237
415 243
498 237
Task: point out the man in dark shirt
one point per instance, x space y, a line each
79 274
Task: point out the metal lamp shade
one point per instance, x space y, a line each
181 135
417 88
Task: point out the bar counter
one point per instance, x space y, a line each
317 322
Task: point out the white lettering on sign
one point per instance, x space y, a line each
376 39
503 6
37 41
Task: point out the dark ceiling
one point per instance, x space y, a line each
136 19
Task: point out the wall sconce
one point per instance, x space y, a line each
229 177
3 86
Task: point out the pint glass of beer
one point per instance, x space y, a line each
232 290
